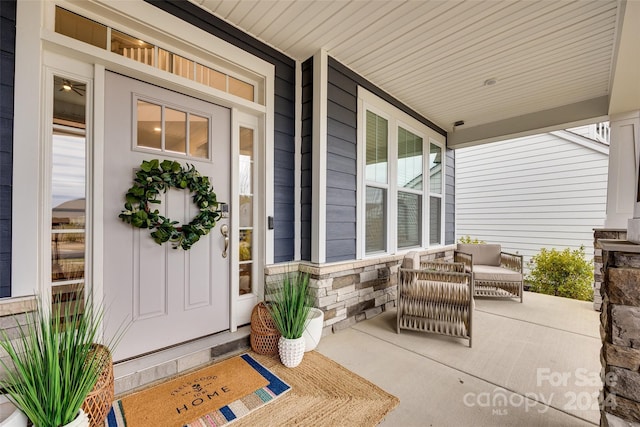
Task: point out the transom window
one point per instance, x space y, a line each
80 28
401 209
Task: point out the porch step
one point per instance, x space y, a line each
143 371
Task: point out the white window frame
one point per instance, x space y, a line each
367 101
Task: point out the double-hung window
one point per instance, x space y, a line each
401 182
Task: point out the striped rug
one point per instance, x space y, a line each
235 388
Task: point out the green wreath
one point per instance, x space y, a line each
155 177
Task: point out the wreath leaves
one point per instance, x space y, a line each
153 178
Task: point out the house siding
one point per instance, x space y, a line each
342 110
7 74
306 163
284 117
530 193
450 198
342 116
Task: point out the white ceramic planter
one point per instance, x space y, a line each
291 351
313 329
82 420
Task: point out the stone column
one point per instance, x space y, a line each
623 169
620 332
599 234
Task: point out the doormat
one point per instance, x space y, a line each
323 393
212 396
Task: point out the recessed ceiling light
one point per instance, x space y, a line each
490 82
157 129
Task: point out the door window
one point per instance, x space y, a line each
171 130
68 189
246 172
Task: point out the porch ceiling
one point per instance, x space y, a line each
554 62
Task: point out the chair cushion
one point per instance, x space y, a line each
483 254
495 274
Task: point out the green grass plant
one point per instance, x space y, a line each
290 304
52 365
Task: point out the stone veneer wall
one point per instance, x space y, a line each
598 234
620 332
349 292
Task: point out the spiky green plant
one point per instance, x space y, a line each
290 304
52 366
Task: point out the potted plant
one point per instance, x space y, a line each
289 308
313 329
53 364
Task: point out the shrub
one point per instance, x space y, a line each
562 273
468 239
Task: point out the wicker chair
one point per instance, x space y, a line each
495 273
435 301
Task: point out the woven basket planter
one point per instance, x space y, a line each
264 334
99 400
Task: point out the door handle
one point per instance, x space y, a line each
224 230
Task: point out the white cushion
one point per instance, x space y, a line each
495 274
483 254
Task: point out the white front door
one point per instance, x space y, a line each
167 296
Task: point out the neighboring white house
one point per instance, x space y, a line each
542 191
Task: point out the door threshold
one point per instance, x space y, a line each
133 374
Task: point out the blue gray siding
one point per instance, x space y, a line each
342 113
7 70
341 160
306 164
450 198
284 143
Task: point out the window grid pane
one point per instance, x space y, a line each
175 131
435 169
435 220
132 48
377 148
409 160
80 28
198 136
149 125
376 220
409 219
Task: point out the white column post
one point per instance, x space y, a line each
623 169
631 134
319 154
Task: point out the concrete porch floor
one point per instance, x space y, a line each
532 364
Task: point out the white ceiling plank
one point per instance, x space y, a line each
322 16
492 51
386 29
435 55
353 22
245 11
257 24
